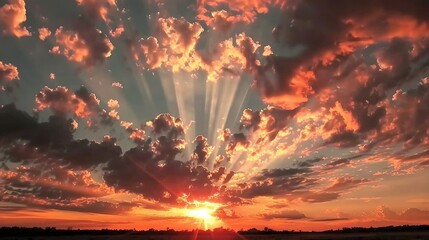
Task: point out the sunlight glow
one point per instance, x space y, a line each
203 212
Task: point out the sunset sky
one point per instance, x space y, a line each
288 114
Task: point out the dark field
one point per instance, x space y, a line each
406 232
232 236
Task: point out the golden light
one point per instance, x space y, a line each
204 213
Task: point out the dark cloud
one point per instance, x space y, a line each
84 43
269 121
330 219
285 214
24 138
354 55
316 197
141 171
275 186
202 150
165 124
80 103
345 183
308 163
236 140
279 173
154 170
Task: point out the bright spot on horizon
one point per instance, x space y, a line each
203 212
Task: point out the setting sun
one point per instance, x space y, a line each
203 214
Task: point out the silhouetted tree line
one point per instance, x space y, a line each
52 231
403 228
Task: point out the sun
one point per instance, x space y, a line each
204 212
205 215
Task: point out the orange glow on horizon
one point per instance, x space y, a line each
203 212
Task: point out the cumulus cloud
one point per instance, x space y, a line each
54 169
117 85
8 74
44 33
202 150
331 38
410 214
80 103
12 16
84 44
222 14
97 9
117 32
113 104
156 166
173 47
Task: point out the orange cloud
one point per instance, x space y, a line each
213 13
113 104
349 120
117 32
295 93
99 8
8 72
12 15
86 46
44 33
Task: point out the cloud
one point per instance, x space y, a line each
154 164
222 14
285 214
117 32
54 170
8 74
44 33
410 214
156 176
97 9
113 104
345 183
317 197
407 116
330 219
331 38
202 150
84 44
52 139
12 16
267 122
166 124
173 47
81 103
117 84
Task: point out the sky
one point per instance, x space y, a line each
296 115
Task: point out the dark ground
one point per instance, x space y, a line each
231 236
406 232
